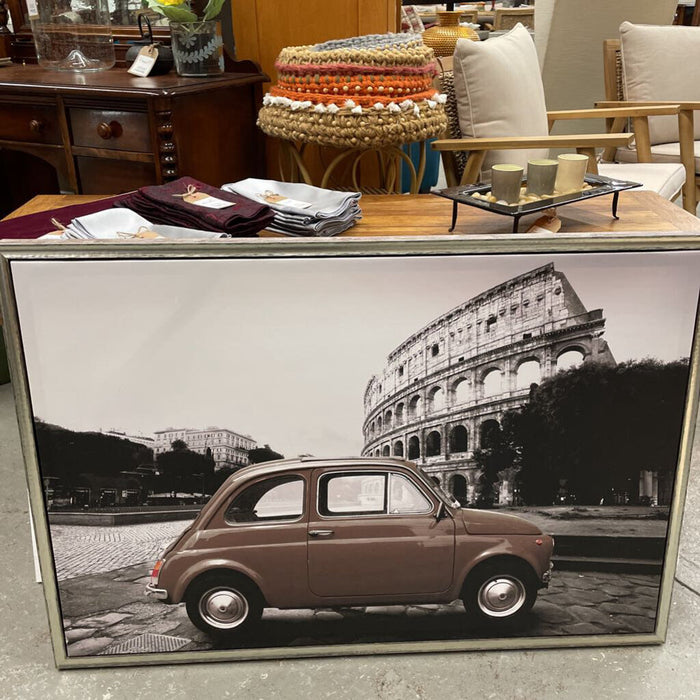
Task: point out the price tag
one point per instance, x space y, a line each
274 198
32 9
201 199
144 62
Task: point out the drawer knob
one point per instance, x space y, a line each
108 131
35 126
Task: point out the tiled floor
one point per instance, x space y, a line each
27 670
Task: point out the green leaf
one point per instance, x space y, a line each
213 9
177 13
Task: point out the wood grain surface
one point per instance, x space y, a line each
428 215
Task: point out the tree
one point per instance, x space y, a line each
182 469
499 451
593 428
263 454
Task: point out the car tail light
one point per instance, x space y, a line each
156 571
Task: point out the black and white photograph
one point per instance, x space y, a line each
295 453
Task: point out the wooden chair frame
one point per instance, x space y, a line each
583 143
614 98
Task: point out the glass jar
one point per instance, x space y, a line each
72 35
198 48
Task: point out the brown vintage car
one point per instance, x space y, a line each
312 533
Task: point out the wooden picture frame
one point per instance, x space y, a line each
309 347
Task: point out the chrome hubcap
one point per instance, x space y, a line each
224 608
501 596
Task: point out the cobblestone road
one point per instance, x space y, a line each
82 549
109 614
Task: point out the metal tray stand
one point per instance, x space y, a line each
599 186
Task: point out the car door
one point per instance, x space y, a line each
376 533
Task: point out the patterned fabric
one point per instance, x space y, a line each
447 86
410 20
363 92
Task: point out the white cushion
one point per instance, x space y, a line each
665 179
660 153
499 93
661 63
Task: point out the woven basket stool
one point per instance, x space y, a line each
365 94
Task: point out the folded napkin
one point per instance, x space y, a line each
193 204
33 225
302 210
119 223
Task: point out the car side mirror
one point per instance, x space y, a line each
441 513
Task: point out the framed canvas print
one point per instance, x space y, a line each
253 450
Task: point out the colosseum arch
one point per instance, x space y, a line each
436 399
388 419
379 425
415 406
459 439
433 443
414 447
570 356
386 451
527 373
458 488
492 382
400 413
488 431
461 391
398 448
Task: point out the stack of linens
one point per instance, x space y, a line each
192 204
302 210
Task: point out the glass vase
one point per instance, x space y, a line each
198 48
72 35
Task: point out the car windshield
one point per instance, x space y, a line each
453 503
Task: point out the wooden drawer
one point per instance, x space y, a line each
27 122
114 130
106 175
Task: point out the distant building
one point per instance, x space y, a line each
229 449
144 440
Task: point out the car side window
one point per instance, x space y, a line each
406 497
352 494
376 493
279 498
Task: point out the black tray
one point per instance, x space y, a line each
599 186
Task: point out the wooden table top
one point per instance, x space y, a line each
428 215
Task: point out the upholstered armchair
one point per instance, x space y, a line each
498 115
653 65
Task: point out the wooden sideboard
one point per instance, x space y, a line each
113 132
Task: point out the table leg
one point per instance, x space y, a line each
454 215
616 196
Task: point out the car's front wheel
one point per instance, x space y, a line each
223 604
499 593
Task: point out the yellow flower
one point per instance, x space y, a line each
168 3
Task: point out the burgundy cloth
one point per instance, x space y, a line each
35 225
163 204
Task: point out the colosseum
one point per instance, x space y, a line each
449 383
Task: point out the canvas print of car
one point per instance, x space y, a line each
312 533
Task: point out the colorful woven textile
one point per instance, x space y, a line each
364 92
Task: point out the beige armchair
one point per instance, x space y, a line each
655 65
496 113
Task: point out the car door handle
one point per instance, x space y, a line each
320 533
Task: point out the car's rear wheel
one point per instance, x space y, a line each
223 604
500 593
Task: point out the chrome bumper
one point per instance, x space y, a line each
153 592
